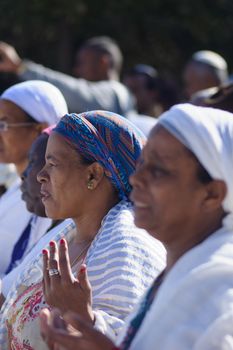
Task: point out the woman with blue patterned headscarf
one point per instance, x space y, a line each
108 139
89 159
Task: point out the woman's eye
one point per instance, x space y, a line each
49 164
158 172
52 164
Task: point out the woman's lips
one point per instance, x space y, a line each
44 195
137 202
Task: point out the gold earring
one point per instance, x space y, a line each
90 185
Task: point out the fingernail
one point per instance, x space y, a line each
52 244
82 270
44 252
43 315
62 241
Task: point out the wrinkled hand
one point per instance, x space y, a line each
63 291
71 333
54 321
9 59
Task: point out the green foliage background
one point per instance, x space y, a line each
163 33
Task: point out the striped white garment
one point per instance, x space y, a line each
122 262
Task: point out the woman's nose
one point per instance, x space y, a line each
42 175
137 178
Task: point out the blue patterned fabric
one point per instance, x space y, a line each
105 137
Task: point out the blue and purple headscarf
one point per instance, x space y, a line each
106 138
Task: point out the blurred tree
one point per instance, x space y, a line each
163 33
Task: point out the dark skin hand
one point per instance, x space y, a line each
71 333
63 291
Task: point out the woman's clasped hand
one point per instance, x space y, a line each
71 332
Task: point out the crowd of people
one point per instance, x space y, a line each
116 204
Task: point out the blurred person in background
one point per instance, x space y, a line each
99 58
30 188
8 173
205 69
153 94
219 97
97 64
25 110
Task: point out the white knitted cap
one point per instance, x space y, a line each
41 100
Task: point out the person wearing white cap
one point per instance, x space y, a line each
25 110
205 69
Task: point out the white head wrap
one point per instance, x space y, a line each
208 133
214 60
211 58
41 100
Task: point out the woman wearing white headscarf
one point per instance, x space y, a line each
193 307
183 195
25 110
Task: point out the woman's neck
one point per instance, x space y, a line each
189 241
89 223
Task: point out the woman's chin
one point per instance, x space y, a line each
51 214
140 222
141 217
143 223
54 214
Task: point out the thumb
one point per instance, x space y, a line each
44 321
83 278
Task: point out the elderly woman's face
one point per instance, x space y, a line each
16 141
63 180
167 194
30 187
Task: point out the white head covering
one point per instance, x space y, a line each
210 58
41 100
208 133
214 60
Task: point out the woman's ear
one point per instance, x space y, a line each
94 175
41 126
216 191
